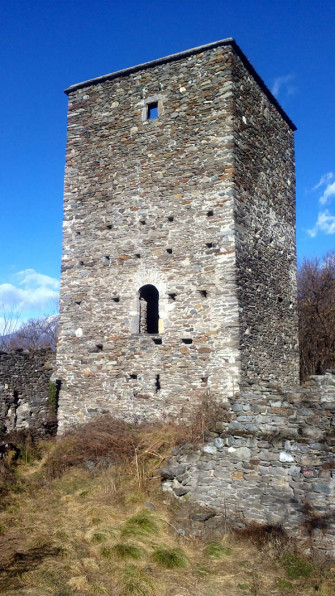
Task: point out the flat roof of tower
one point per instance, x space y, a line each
174 57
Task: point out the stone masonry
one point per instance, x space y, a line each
270 460
179 264
25 392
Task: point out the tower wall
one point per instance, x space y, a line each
133 190
164 202
264 183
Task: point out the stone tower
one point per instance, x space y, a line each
179 262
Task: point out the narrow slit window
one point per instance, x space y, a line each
158 383
148 309
152 110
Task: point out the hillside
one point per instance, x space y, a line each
86 516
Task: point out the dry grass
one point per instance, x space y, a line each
109 530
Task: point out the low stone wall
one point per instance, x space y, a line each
27 401
271 461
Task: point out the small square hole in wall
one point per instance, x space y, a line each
116 299
138 255
169 250
172 296
187 340
209 244
171 218
152 110
157 341
203 293
133 376
210 213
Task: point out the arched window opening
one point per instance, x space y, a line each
149 312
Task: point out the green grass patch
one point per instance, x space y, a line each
99 537
107 552
217 550
127 551
296 567
141 524
285 585
136 582
170 558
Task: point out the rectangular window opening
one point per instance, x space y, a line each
152 110
133 376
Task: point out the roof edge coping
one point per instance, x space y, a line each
229 41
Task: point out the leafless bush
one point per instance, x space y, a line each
144 448
32 335
316 303
103 438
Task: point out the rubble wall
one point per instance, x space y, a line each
270 460
26 399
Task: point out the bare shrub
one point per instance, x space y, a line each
105 440
35 334
102 439
316 305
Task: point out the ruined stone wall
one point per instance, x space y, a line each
271 461
25 391
264 183
149 203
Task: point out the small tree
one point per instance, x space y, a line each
316 304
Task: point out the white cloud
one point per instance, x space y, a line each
284 83
30 278
325 179
31 295
328 194
325 223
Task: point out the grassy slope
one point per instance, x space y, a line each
111 531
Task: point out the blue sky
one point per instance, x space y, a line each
45 46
